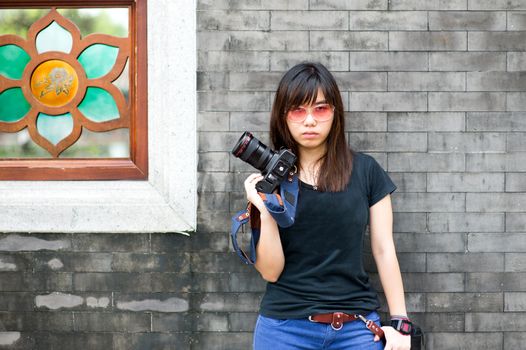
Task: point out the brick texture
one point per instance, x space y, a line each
434 90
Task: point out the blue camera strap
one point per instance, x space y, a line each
282 207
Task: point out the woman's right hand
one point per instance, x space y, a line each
250 189
271 260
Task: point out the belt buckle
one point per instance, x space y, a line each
337 321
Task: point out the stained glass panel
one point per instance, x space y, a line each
99 105
54 38
13 60
97 60
54 128
62 100
54 83
73 84
13 105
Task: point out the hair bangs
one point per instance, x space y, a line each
303 90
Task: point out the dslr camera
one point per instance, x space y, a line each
274 166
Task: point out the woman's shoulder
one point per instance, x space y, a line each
364 163
362 159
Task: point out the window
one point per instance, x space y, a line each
71 79
160 151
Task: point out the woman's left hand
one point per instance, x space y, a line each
394 339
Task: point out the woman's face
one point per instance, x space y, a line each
310 125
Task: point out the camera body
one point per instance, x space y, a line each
276 171
273 165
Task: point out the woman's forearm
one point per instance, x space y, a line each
391 279
384 253
269 252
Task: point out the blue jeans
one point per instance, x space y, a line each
302 334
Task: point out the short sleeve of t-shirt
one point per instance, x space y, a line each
380 184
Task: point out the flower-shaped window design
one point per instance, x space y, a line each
73 91
57 83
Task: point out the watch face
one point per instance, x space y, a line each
403 326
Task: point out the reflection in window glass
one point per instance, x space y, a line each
105 21
112 21
123 82
18 21
109 144
20 145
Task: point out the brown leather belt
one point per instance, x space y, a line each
337 319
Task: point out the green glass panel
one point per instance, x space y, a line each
54 127
98 105
13 60
98 60
13 105
54 38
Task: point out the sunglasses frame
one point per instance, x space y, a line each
310 111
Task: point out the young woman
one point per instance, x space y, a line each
317 282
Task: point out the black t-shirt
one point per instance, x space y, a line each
323 249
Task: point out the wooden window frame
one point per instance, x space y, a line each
167 200
136 166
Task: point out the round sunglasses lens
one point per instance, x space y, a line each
323 112
297 114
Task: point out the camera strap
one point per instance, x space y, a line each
282 207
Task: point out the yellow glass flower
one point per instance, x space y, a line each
54 83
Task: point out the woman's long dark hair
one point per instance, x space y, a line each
300 86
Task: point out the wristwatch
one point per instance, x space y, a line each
402 325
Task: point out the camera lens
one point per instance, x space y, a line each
242 143
252 151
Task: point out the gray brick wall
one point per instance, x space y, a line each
434 90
